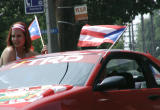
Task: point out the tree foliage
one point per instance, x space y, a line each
109 11
148 35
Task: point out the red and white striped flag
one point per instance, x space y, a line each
98 34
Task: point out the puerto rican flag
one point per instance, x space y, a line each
34 30
98 34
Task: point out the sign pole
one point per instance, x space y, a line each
53 41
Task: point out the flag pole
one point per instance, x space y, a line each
115 41
39 30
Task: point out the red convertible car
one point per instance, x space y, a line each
82 80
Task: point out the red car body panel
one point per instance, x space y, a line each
85 97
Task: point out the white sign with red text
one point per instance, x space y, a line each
81 12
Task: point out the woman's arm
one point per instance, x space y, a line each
33 53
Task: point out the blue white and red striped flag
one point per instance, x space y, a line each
98 34
34 30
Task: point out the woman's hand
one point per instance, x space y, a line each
44 50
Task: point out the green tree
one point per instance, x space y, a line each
109 11
148 35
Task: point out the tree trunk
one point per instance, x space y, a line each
65 20
130 43
143 37
133 42
152 36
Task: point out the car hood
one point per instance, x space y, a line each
11 99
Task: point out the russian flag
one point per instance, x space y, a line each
98 34
34 30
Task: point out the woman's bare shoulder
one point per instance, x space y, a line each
8 50
8 55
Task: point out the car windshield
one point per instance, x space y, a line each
70 73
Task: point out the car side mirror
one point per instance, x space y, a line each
112 82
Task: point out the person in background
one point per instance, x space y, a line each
18 44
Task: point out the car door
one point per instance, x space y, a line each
140 99
144 96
